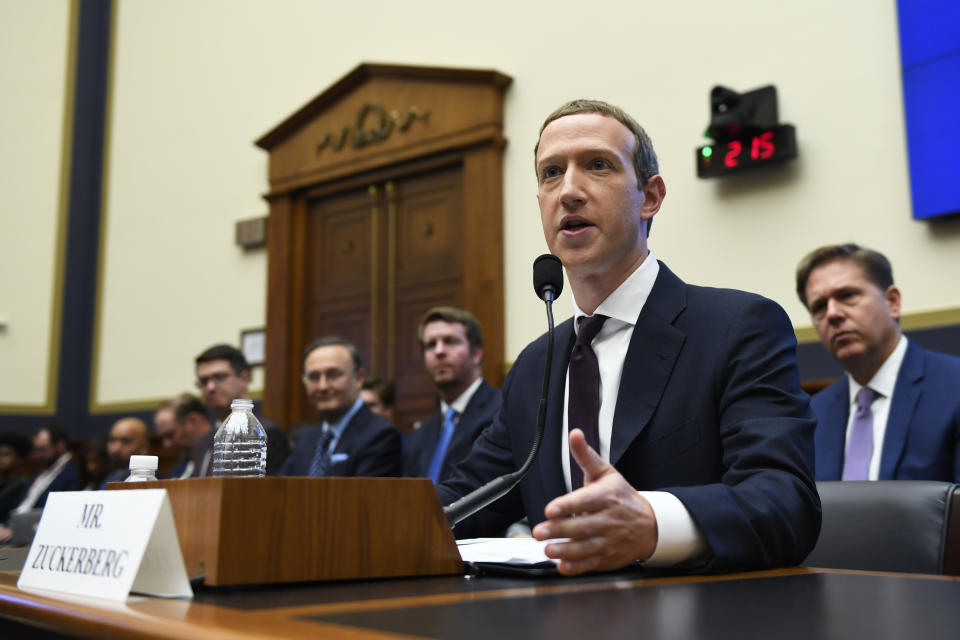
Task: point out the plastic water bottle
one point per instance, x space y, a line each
142 469
240 446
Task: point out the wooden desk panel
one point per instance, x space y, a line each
786 603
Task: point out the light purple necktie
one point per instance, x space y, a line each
856 463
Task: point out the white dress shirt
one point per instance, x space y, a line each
460 404
678 538
40 484
883 382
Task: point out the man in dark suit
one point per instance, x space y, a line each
223 375
58 470
351 440
183 424
896 414
128 437
452 344
703 438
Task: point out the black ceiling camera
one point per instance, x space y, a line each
746 133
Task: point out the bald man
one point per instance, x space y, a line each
128 437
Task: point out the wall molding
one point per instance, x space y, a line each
935 319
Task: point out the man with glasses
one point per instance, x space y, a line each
223 375
350 439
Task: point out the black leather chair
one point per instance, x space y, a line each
889 525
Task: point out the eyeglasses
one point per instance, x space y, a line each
314 377
219 378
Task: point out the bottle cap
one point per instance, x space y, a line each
143 462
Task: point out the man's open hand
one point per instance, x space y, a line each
613 525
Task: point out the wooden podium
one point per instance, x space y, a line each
238 531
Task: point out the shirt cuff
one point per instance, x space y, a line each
678 536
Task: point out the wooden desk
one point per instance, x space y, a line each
784 604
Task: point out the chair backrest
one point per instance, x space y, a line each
889 525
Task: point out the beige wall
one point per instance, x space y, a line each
33 66
196 82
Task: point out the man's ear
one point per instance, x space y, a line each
476 355
892 295
653 194
361 376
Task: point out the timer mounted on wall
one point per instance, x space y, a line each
746 133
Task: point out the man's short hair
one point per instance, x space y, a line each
185 404
329 341
383 388
226 352
57 433
16 441
645 163
875 266
452 314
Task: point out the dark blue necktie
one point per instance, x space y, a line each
321 457
442 443
583 406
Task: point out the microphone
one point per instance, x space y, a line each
548 283
548 279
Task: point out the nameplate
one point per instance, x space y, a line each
106 544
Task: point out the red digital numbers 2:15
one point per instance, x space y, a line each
761 148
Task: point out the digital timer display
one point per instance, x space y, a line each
757 148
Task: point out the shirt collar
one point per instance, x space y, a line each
460 404
885 379
341 424
626 301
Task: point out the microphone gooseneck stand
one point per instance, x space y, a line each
548 283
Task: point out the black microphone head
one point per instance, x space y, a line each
548 275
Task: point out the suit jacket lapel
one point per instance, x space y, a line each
832 432
463 433
906 393
349 438
430 436
651 356
551 473
473 412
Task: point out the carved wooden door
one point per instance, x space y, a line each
386 198
379 256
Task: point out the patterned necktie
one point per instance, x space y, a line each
321 458
583 409
446 432
856 462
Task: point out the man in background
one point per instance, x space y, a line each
14 449
223 375
379 395
183 424
350 440
896 412
128 437
452 344
58 471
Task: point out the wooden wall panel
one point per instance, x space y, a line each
400 217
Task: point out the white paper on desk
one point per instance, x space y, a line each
517 551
